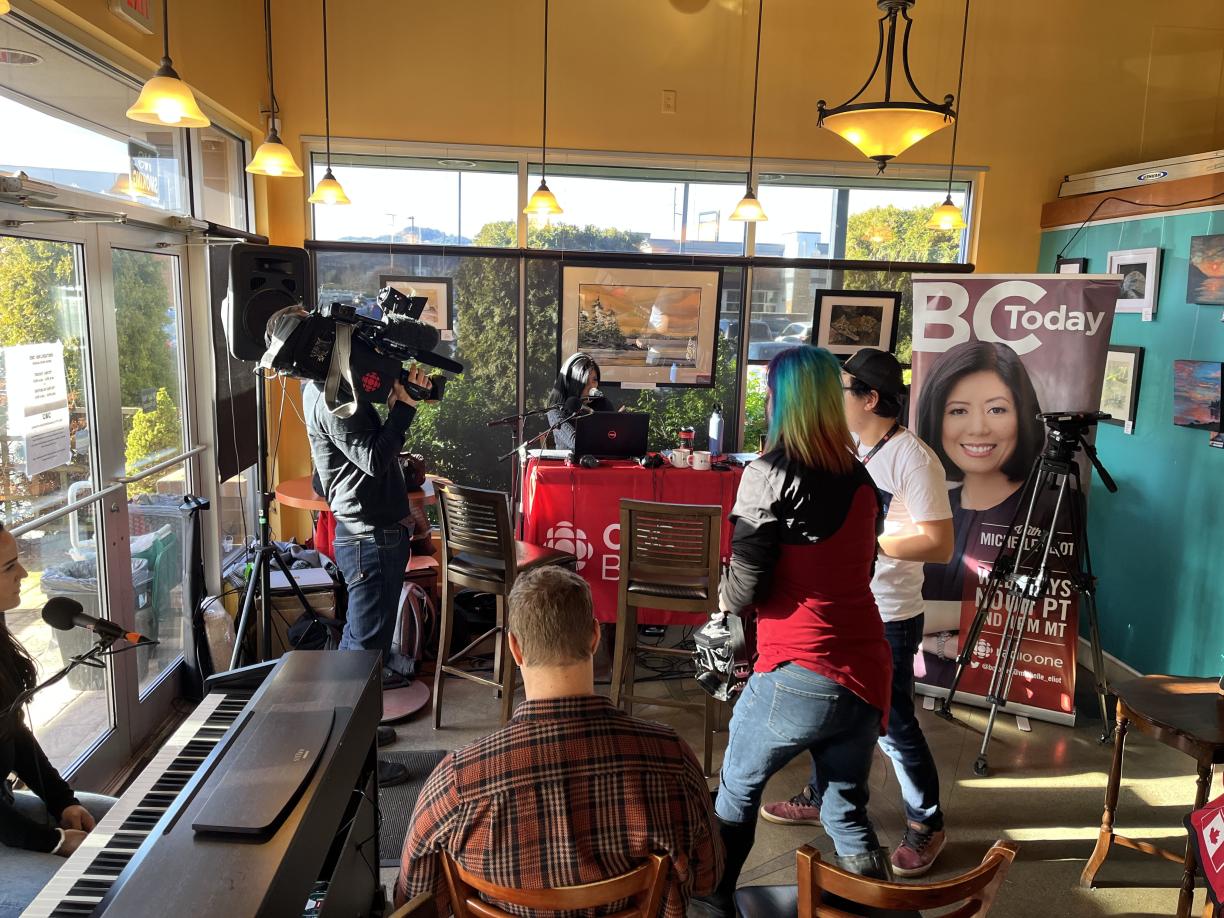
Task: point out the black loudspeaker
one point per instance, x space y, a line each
263 280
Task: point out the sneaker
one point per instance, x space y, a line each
391 773
918 849
799 810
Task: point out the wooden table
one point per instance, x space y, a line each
300 494
1186 714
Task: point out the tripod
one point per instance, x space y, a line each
265 552
1053 491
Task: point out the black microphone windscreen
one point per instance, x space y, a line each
411 333
572 404
61 612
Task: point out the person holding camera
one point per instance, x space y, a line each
357 461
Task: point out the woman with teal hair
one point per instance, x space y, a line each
806 520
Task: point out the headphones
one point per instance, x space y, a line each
587 461
650 461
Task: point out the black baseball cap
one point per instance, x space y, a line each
878 369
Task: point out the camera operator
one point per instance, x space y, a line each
357 460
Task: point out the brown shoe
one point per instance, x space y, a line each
799 810
918 849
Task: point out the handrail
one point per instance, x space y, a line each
65 510
161 466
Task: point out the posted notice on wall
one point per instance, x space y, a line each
37 389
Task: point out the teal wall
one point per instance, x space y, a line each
1158 543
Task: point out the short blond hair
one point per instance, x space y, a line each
550 616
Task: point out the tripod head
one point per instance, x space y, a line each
1068 433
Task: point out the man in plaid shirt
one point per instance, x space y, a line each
571 790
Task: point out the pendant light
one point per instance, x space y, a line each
749 209
164 98
4 7
543 202
132 185
947 216
886 129
328 191
273 157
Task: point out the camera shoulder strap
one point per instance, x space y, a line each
341 368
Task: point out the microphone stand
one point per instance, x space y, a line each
90 657
520 454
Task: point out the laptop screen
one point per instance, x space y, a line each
611 434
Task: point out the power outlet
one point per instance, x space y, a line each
669 101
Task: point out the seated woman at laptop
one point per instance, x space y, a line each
575 390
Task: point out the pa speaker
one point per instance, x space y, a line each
263 280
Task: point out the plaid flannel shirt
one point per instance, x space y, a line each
570 791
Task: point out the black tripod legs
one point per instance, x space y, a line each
1088 603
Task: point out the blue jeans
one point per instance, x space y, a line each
373 568
779 715
25 873
905 743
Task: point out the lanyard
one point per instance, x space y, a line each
879 446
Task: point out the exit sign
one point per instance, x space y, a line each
135 13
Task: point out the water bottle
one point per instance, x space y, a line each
716 431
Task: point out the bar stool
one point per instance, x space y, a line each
669 556
479 553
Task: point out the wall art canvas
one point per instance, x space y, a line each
1140 270
845 321
643 326
1120 394
1196 394
1206 276
439 292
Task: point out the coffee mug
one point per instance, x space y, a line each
700 460
680 457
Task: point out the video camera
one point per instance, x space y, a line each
336 345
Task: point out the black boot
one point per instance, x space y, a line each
874 864
737 839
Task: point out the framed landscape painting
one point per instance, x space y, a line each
643 326
845 321
1140 270
439 292
1120 394
1196 394
1205 284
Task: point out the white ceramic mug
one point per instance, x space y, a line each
700 460
680 457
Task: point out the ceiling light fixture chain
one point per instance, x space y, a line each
328 191
543 202
749 209
947 216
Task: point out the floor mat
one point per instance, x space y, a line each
398 802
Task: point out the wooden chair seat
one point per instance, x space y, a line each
527 556
679 588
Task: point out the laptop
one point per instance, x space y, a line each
611 434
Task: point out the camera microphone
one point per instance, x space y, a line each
64 614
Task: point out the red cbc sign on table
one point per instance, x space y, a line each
578 510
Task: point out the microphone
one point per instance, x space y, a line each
576 405
65 614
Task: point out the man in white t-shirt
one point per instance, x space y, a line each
917 529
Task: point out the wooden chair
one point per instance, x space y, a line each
422 906
974 890
479 553
642 885
669 557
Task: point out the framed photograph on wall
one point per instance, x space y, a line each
1120 394
846 320
1140 270
1196 394
1071 266
439 291
1205 284
643 326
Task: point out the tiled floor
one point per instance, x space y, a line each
1045 793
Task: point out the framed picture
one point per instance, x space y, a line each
439 310
643 326
1140 270
1196 394
1206 281
1120 394
1071 266
846 320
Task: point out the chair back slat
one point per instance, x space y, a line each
670 540
475 522
979 886
643 885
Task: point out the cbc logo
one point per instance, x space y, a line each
565 536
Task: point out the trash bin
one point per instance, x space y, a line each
79 580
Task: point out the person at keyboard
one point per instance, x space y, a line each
572 790
575 391
45 824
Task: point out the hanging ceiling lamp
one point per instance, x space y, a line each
543 202
749 209
132 185
164 99
948 216
328 191
273 157
4 7
885 129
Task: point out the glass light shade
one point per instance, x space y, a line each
749 209
328 191
543 202
4 7
880 133
273 158
947 216
131 189
879 234
165 99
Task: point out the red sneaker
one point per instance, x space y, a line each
918 849
799 810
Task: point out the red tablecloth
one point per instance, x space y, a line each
578 510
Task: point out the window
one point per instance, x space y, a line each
416 200
56 133
222 179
